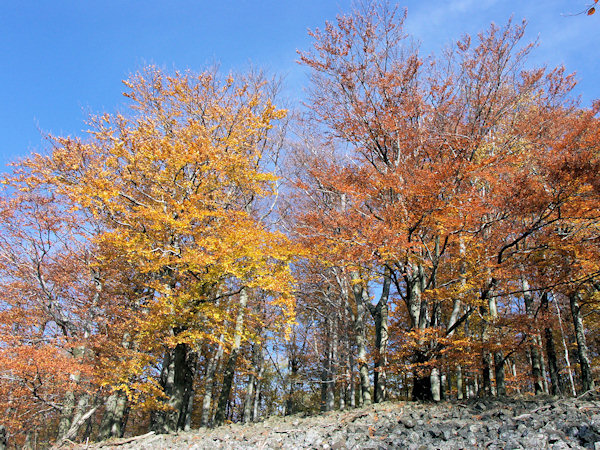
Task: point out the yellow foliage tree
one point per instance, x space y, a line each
177 186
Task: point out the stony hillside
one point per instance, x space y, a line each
524 423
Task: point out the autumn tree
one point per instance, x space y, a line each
440 184
174 185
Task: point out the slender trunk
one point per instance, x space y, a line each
209 384
566 350
251 386
361 344
499 371
436 385
459 383
342 356
229 372
343 393
380 317
333 364
381 341
326 376
486 375
291 404
114 419
351 385
542 363
536 368
489 313
417 307
534 349
555 383
587 382
257 393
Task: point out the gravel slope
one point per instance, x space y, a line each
523 423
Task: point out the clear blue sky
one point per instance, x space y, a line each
63 59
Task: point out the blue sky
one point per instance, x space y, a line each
65 59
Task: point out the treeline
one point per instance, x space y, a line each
426 227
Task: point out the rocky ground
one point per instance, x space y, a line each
522 423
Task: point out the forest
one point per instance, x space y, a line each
419 227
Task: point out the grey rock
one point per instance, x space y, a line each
408 422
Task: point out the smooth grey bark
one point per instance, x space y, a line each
512 368
379 312
499 370
252 384
556 387
436 384
327 381
489 312
209 383
331 367
417 309
459 382
587 382
351 384
360 293
257 394
229 372
534 351
566 350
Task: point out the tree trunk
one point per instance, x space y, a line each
499 372
66 414
421 381
587 382
556 387
290 404
360 332
113 423
351 384
229 372
257 393
555 384
534 351
486 375
459 383
566 350
177 381
209 384
436 385
380 317
252 385
3 438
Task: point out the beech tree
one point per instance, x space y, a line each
441 183
173 187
